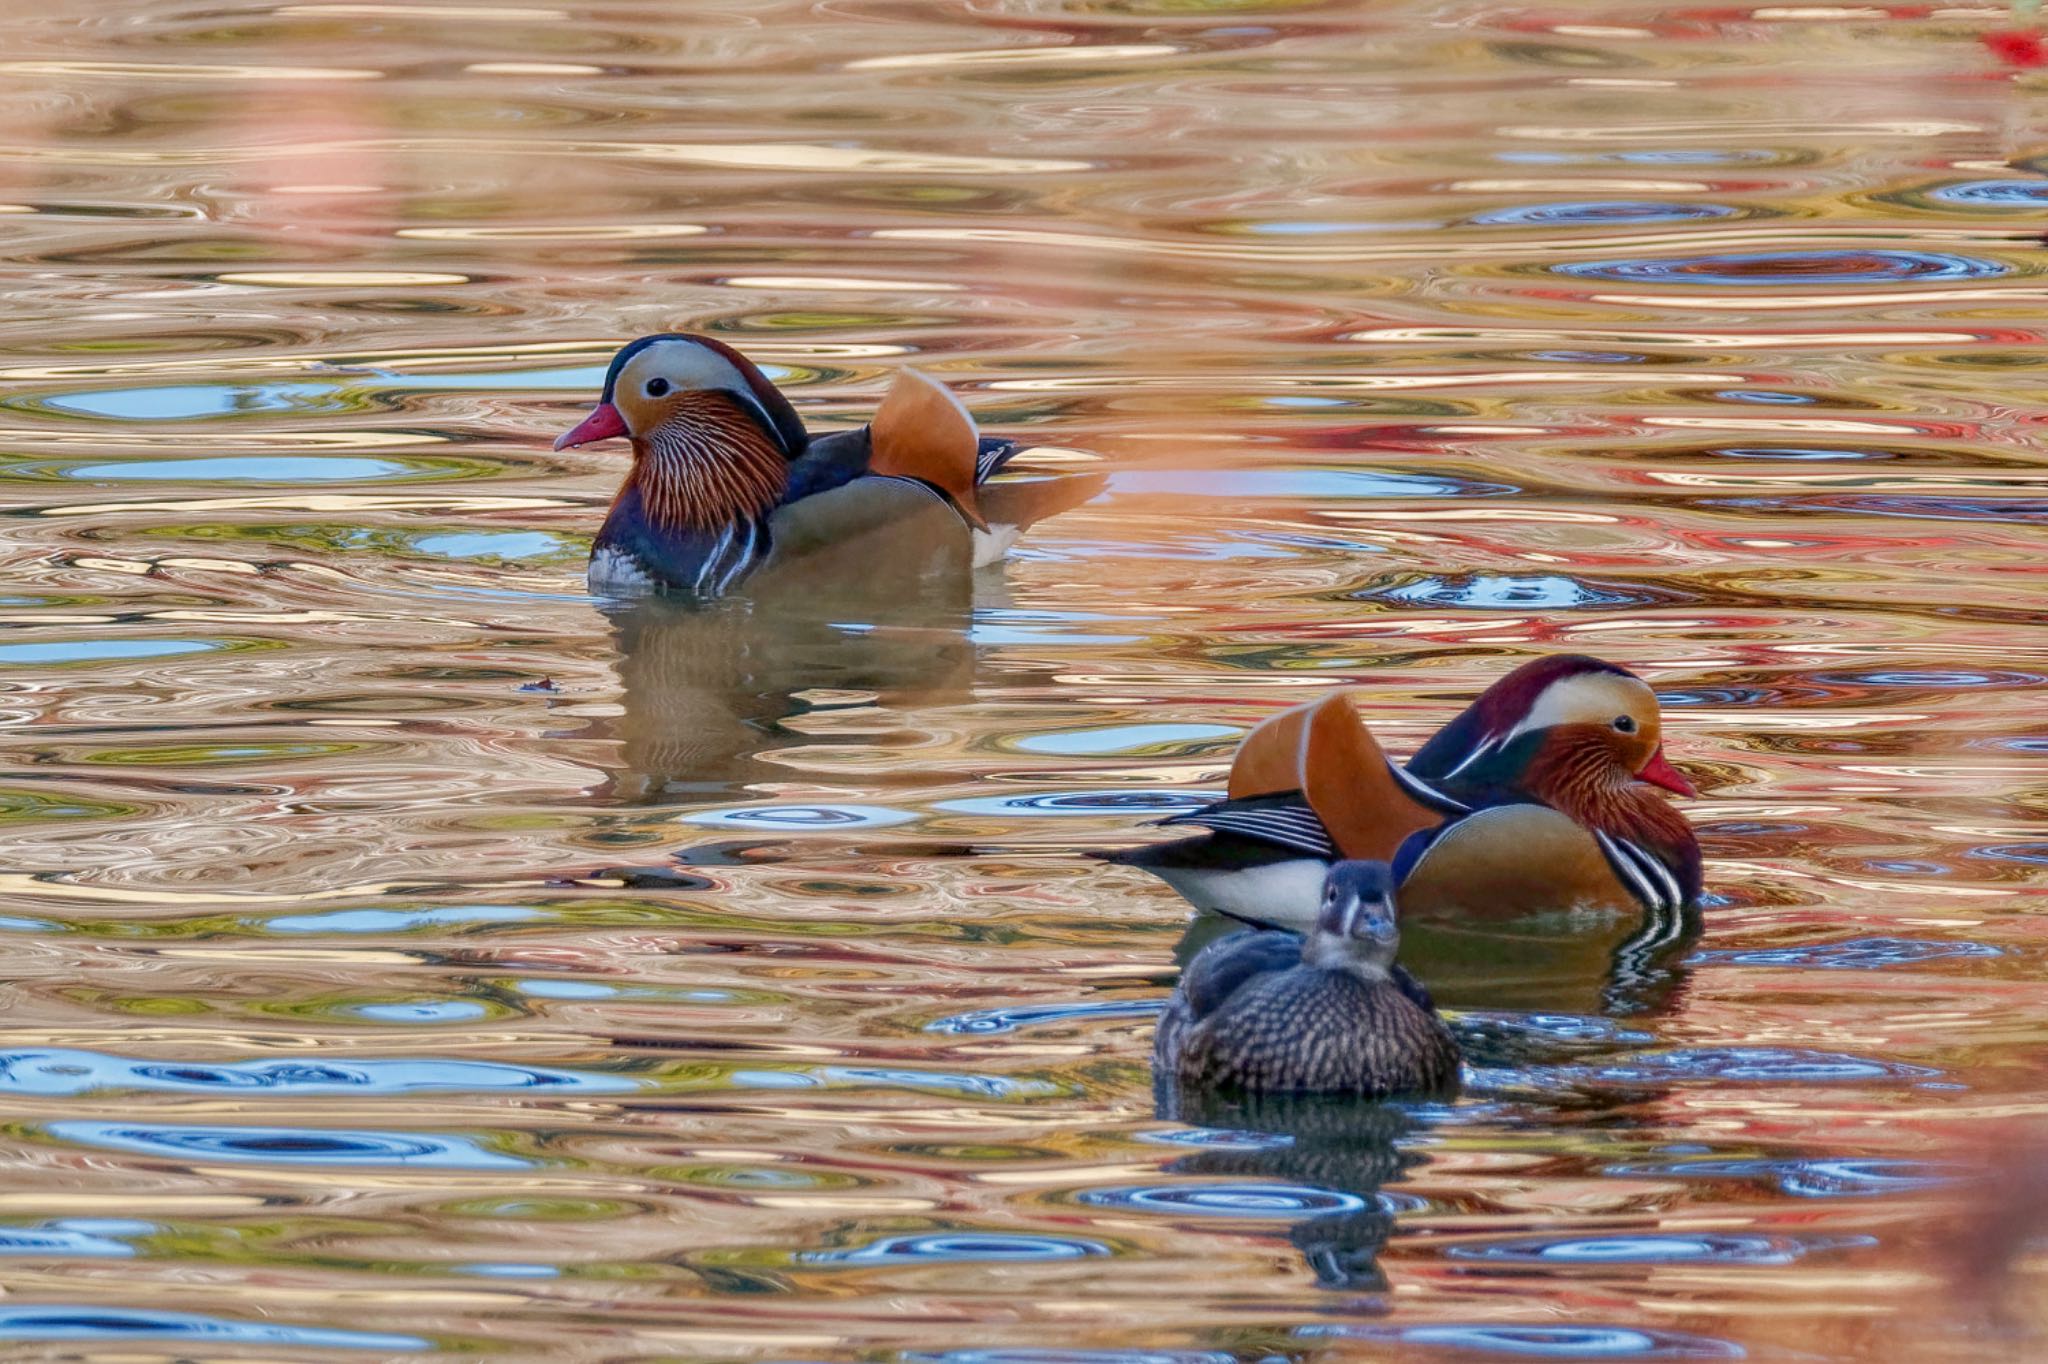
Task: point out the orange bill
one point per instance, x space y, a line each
1323 749
923 432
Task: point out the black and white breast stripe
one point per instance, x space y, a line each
738 547
1642 871
1293 827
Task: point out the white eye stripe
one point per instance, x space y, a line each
1585 699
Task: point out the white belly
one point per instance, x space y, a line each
992 546
1279 895
614 573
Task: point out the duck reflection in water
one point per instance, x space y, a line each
707 687
1347 1146
1297 1037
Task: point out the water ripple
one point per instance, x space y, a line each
1600 212
58 1071
1651 1248
988 1022
1772 268
955 1247
23 1321
1760 1065
1855 954
1545 1342
1516 592
1992 194
1115 802
289 1145
1057 1356
1813 1177
92 1237
1224 1200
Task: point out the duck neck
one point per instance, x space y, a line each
1331 952
708 467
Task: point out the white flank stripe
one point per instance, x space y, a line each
1625 867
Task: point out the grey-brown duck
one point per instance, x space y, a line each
1268 1012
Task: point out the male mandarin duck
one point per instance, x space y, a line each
727 487
1536 797
1272 1013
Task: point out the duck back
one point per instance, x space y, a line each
1308 1030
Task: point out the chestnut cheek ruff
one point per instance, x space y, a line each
1579 774
709 465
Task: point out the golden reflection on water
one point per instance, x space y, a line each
411 954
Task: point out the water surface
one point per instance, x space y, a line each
412 956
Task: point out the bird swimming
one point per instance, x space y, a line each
727 487
1272 1013
1539 795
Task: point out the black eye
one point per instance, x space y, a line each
656 387
1626 724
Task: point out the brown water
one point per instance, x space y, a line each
738 993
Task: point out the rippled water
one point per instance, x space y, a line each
407 955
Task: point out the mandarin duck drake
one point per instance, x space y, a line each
1537 797
728 488
1331 1013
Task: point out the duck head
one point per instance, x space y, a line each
712 438
1356 929
1568 721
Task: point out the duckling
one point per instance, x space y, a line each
1537 796
728 488
1265 1012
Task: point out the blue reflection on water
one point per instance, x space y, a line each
955 1247
102 650
1509 592
2017 510
565 989
60 1071
1226 1200
420 1011
1635 1248
1770 397
2021 194
1856 954
1601 211
878 1077
988 1022
1297 483
1930 677
1769 1065
1795 452
24 1321
1121 738
1031 1356
1218 1139
182 402
394 920
1104 802
1762 268
802 817
241 469
1816 1177
288 1145
91 1237
1548 1342
492 544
